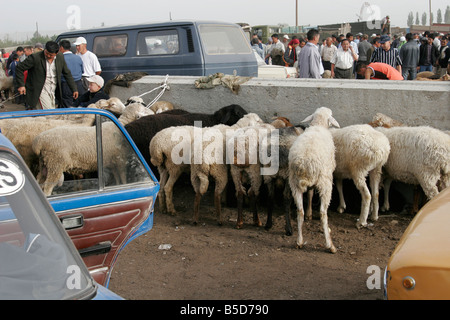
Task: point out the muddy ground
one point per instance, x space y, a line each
212 262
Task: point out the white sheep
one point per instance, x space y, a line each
133 112
157 107
74 150
244 151
360 151
418 156
166 143
211 160
311 164
287 136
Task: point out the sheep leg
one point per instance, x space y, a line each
168 189
429 186
200 184
374 178
325 198
221 184
271 196
342 206
163 174
253 201
387 185
361 185
256 181
288 202
198 198
240 203
298 198
310 200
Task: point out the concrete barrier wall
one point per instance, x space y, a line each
352 101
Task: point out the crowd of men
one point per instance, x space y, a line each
348 57
54 75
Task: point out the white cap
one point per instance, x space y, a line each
402 38
286 36
80 40
373 35
97 79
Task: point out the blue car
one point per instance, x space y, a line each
64 245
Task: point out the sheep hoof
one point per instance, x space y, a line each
333 249
239 226
341 209
288 232
360 225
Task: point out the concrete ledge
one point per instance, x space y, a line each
352 101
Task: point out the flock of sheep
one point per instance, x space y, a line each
306 158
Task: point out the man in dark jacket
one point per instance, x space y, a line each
428 55
409 53
43 85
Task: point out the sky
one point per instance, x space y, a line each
61 15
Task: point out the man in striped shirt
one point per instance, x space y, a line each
387 54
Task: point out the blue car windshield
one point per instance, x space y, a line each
37 258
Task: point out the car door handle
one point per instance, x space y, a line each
72 221
100 248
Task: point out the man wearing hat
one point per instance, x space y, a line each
387 54
91 65
43 85
386 26
94 94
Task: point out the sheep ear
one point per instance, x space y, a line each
333 122
307 119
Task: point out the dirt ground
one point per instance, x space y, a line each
212 262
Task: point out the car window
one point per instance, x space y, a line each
110 45
221 39
38 261
121 164
164 42
90 154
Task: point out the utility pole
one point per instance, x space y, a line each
431 18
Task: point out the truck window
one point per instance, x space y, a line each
157 43
221 39
110 45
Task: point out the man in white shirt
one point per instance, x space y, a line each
343 60
91 65
276 51
327 52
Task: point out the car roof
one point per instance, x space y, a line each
144 25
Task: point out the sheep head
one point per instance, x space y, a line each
322 117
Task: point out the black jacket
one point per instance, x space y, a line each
88 98
423 54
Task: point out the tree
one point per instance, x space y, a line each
447 15
424 18
410 20
439 16
417 19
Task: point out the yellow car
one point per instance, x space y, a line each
419 268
